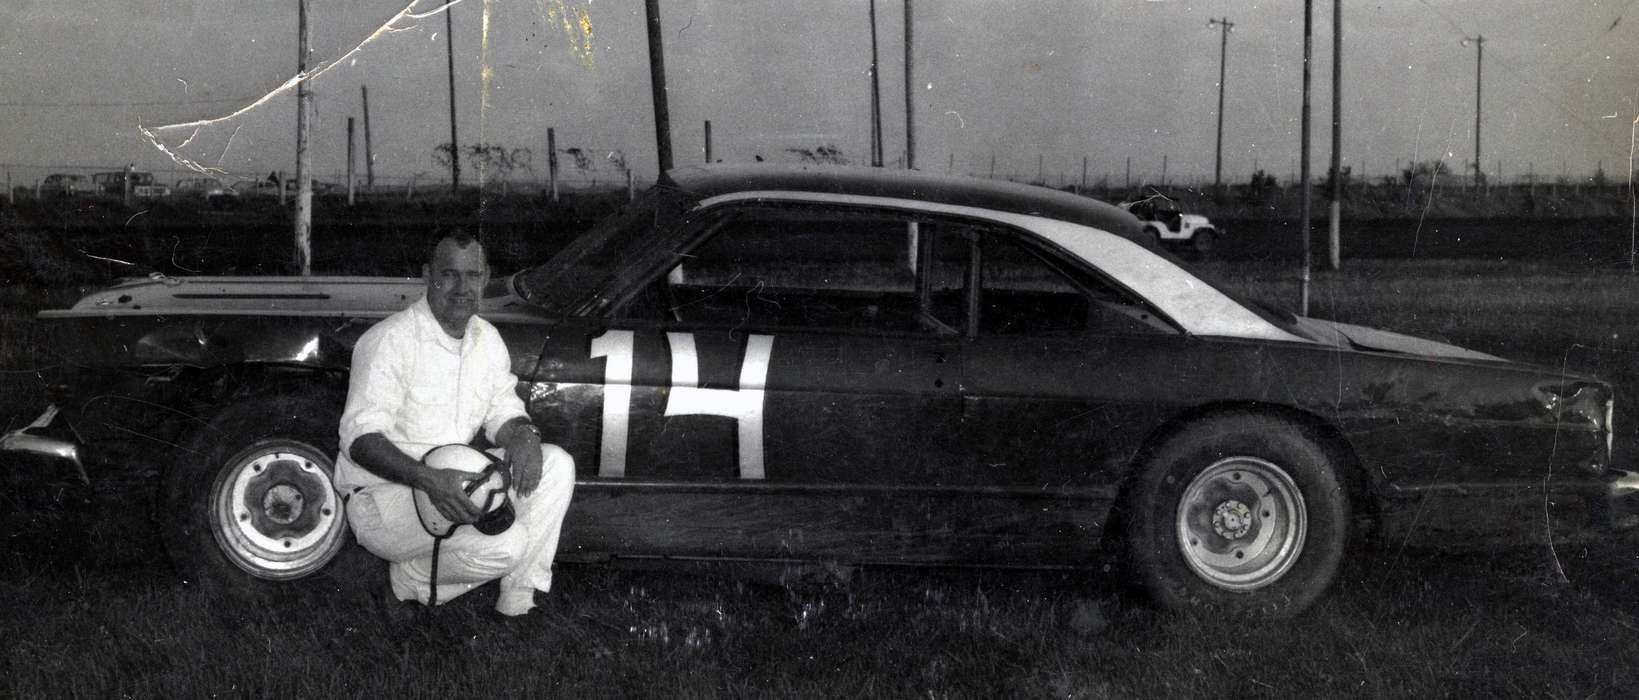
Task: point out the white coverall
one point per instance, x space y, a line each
421 388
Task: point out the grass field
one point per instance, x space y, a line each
91 611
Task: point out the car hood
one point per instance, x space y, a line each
1364 338
272 296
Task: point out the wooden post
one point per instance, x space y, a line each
1163 171
349 161
1041 174
631 190
409 188
369 154
992 166
910 104
552 163
876 98
455 147
657 88
304 171
708 140
131 169
1083 186
1334 219
1127 183
1303 217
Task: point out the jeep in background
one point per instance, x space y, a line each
1173 229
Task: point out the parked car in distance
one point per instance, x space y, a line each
853 366
66 185
212 190
267 189
1190 233
142 184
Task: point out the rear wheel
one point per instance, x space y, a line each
250 504
1241 513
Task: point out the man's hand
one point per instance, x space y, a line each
444 488
523 450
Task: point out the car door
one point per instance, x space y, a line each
1054 384
774 395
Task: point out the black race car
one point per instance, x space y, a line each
858 366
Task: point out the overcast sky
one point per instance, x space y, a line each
1060 79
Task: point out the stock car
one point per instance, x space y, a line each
861 367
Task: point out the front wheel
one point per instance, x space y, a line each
249 500
1238 513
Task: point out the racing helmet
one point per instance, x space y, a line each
487 489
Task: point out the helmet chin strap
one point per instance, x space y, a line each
490 502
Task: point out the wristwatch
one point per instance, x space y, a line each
531 428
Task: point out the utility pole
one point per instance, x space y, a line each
1479 60
1127 183
1083 175
1163 171
1334 219
1303 157
1041 174
657 86
369 154
910 106
552 163
1224 26
992 166
876 99
304 174
708 141
350 161
455 146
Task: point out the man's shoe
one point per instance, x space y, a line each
396 613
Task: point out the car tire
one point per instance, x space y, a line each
1239 514
249 505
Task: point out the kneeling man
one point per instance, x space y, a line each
435 374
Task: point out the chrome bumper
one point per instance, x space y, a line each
47 437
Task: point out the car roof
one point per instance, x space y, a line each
706 181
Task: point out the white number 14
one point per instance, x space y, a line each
744 405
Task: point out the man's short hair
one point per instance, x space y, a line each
460 238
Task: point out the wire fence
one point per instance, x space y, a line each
33 181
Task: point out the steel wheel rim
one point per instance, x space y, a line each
274 512
1241 523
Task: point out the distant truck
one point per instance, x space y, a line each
1172 228
142 184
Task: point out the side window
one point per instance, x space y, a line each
813 267
1021 292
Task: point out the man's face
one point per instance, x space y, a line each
455 284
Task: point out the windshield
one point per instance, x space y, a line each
588 264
